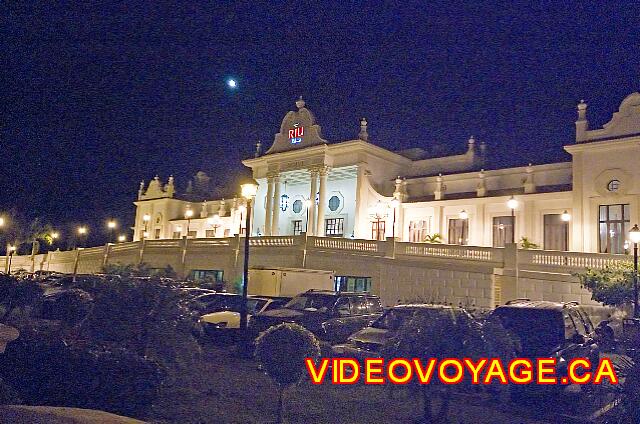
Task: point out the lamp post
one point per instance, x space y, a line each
214 221
11 249
249 190
512 203
188 214
111 225
145 218
82 233
634 235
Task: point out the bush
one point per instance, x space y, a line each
281 351
50 372
612 285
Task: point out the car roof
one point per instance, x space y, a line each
422 306
340 293
537 304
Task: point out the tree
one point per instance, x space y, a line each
446 334
281 351
611 285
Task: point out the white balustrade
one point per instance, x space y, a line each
469 253
355 246
569 259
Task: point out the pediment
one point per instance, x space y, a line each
297 131
624 122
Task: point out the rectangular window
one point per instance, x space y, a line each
502 230
613 225
157 234
192 234
177 234
297 227
334 227
418 230
458 231
353 284
206 274
210 233
378 230
556 233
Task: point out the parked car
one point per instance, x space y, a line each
549 329
368 342
332 316
223 318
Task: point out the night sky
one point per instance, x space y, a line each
97 96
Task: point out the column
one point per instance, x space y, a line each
360 200
312 197
322 203
276 206
268 210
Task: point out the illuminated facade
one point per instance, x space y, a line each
357 189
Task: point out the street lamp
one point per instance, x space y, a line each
248 191
214 221
634 235
394 204
512 203
82 232
1 221
188 214
122 238
111 225
145 218
12 250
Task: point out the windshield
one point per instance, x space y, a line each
394 318
539 330
233 303
311 302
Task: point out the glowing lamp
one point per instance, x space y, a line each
634 234
512 203
566 216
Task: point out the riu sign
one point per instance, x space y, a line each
296 133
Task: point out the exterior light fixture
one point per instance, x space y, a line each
464 214
248 189
512 203
566 216
122 238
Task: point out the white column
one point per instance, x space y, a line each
360 206
268 211
312 197
322 202
276 206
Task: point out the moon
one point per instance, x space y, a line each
232 83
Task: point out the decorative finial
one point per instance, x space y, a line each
300 103
258 148
363 135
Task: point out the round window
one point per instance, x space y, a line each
297 206
613 186
334 203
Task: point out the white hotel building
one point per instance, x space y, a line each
357 189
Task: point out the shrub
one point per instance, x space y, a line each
50 372
281 351
612 285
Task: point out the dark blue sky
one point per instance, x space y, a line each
97 96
